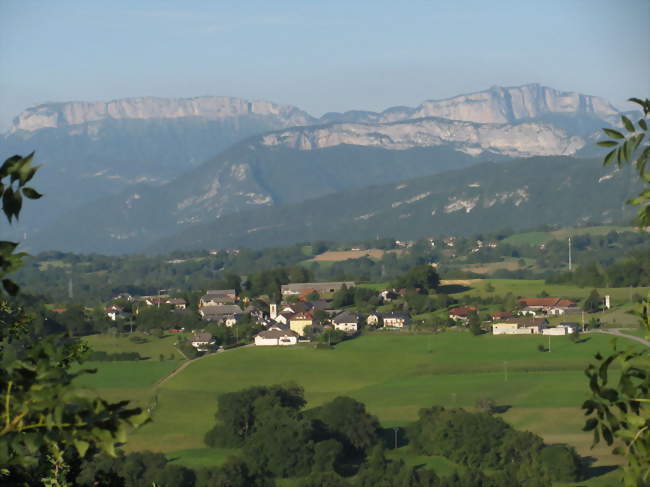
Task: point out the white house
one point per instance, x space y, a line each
201 341
395 320
276 336
347 322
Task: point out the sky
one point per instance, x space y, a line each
321 56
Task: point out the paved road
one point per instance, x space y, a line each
617 332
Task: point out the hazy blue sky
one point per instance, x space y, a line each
320 55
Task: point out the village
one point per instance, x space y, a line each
312 312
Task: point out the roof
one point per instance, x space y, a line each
202 337
526 321
462 310
176 301
346 317
499 315
319 304
275 333
547 302
221 309
219 292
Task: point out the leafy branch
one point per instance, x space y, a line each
629 148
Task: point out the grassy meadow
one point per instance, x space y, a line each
394 374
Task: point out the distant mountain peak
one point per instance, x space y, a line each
62 114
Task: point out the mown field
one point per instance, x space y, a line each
537 238
393 374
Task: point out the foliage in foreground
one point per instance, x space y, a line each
47 424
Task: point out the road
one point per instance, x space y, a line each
617 332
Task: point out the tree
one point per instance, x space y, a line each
350 423
592 303
617 412
475 323
633 148
46 421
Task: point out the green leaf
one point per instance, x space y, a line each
31 193
81 446
642 123
614 134
11 287
607 143
627 123
609 157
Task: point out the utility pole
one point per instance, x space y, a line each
549 343
569 254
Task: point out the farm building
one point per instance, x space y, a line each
519 326
276 336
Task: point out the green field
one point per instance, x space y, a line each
393 374
532 287
537 238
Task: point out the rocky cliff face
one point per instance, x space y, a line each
496 105
515 140
59 115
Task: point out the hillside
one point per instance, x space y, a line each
101 148
482 198
246 176
148 165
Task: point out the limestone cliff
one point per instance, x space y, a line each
521 139
58 115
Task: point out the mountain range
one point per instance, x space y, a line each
120 175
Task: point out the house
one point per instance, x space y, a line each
346 321
177 303
387 295
319 287
155 300
215 297
519 326
219 312
297 307
374 319
202 341
395 320
113 312
546 305
276 336
298 321
462 313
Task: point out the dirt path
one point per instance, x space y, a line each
617 332
182 366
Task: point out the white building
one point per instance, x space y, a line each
275 336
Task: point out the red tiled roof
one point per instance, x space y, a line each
547 302
499 315
462 310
